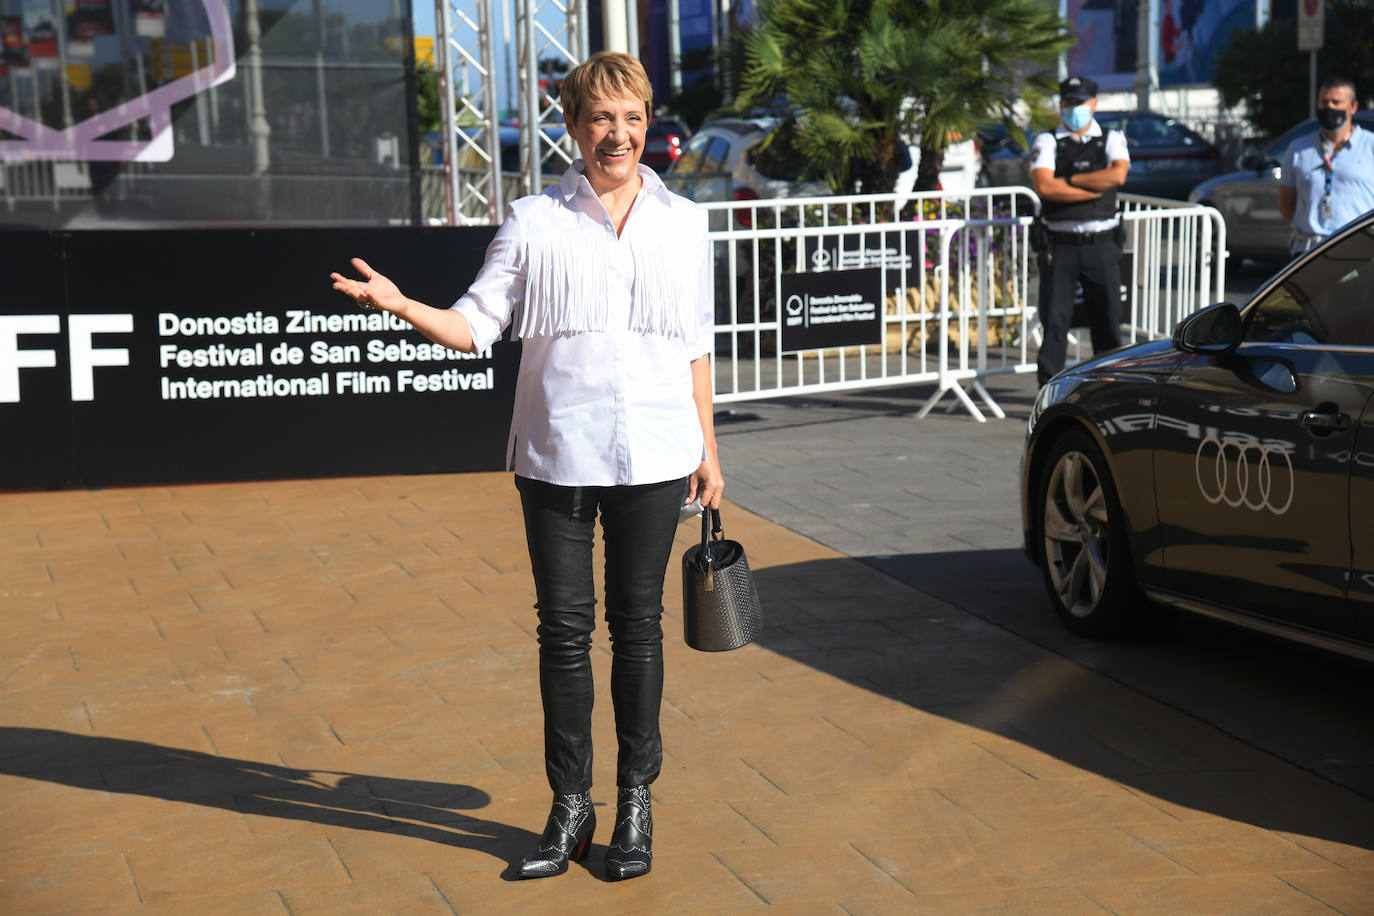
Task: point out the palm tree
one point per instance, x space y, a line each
863 75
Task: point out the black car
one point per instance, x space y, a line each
1228 471
1167 157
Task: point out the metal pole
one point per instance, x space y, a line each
615 34
320 37
508 51
1312 84
448 124
258 126
722 49
529 92
1063 55
632 27
60 28
675 44
491 114
1142 57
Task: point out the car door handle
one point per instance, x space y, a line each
1327 421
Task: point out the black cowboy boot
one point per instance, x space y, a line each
567 836
631 851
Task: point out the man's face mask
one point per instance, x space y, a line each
1330 118
1078 117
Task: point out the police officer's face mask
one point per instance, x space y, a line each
1330 118
1078 117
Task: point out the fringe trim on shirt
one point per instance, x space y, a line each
566 288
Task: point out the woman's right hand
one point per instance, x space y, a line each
375 291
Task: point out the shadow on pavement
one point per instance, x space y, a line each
999 667
405 807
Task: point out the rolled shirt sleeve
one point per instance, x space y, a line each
490 301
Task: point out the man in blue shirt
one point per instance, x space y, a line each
1328 177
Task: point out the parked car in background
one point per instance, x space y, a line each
1167 158
1249 197
960 170
1227 472
1004 163
720 162
664 142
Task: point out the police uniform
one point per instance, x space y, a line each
1082 238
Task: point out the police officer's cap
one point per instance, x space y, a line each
1078 87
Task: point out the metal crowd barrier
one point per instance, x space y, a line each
43 181
958 287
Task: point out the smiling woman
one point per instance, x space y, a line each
605 278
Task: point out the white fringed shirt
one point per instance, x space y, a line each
609 328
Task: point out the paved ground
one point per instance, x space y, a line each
319 697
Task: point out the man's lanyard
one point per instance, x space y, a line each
1328 166
1328 159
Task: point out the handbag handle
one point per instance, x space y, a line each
710 529
710 525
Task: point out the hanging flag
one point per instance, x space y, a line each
150 18
90 19
42 38
12 45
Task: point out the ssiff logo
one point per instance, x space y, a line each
82 140
84 355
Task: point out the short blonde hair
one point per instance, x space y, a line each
605 75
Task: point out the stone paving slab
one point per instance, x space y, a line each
320 697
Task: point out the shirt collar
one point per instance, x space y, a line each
574 182
1094 130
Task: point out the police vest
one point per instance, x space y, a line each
1074 158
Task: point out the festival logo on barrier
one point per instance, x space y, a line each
834 308
88 139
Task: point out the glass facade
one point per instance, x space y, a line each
140 113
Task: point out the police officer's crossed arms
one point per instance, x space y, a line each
1076 170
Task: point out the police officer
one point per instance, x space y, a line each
1076 171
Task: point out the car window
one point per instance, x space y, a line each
1329 300
716 153
1149 132
693 153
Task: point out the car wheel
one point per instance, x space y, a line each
1082 531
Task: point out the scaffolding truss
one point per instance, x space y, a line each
471 140
550 36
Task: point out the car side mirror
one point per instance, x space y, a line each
1213 330
1251 162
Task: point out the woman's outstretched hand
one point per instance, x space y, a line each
374 291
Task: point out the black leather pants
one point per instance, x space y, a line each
637 529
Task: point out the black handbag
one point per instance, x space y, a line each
720 604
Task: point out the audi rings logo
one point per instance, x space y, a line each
1244 472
